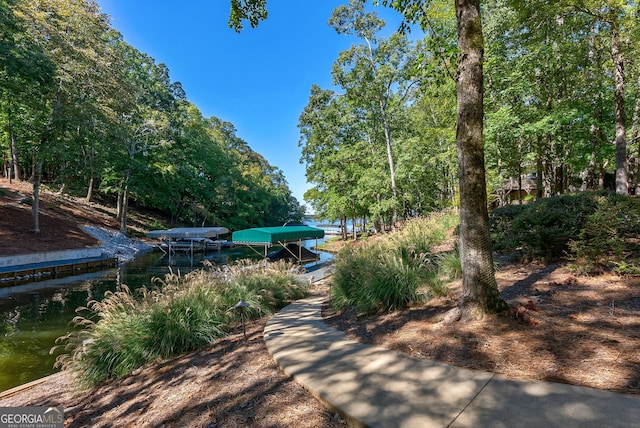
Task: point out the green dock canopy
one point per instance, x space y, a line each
275 235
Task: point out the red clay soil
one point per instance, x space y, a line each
61 218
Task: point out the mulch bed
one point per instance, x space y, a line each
228 384
561 327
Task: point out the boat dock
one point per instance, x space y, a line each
27 268
189 239
266 237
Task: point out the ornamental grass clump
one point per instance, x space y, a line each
450 265
394 271
129 329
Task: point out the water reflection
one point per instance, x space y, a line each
34 315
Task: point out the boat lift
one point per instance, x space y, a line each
189 238
266 237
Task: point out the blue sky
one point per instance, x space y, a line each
258 80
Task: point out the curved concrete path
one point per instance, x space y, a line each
374 387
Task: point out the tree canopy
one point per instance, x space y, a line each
86 113
550 104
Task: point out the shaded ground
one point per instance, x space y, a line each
579 330
60 220
231 383
562 328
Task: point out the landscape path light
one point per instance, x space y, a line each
240 306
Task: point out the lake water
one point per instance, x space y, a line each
34 315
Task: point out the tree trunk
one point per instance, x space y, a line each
548 175
622 184
480 291
596 129
383 104
593 180
558 187
35 205
539 182
125 207
36 177
119 205
354 229
15 161
520 199
634 180
89 156
90 189
392 170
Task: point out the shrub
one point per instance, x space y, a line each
501 220
591 226
626 269
180 315
156 225
391 273
599 240
604 240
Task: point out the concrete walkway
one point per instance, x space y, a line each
374 387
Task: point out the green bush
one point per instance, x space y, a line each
156 225
605 240
593 227
599 240
394 272
181 315
626 269
501 223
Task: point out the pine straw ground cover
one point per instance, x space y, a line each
228 384
573 329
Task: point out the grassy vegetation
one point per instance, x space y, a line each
128 329
397 269
332 244
596 230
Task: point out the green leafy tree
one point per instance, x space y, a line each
70 34
479 286
535 117
338 159
83 110
142 126
26 75
616 17
480 291
377 78
596 37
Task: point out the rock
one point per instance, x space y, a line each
116 244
